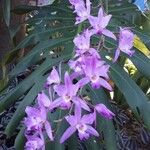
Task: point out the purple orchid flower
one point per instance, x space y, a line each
82 9
104 111
34 143
53 78
80 124
126 39
37 119
82 43
100 23
96 72
68 94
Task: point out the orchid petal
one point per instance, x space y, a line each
92 131
83 135
53 77
49 130
88 6
93 21
68 82
108 34
104 21
31 111
83 104
104 111
100 14
56 103
74 75
67 134
88 119
60 89
83 82
43 100
77 111
71 120
103 71
129 52
116 55
65 105
105 84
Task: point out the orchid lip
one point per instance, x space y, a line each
94 78
67 98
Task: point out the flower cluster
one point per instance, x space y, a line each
87 68
36 122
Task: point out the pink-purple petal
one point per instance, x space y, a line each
56 103
100 13
105 84
83 104
83 135
105 20
77 111
108 34
104 111
49 130
31 111
43 100
53 77
60 89
116 55
88 119
93 21
83 82
92 131
71 120
67 134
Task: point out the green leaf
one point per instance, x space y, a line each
20 140
92 144
6 11
3 83
34 55
115 8
135 97
23 9
50 18
35 36
142 63
73 142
